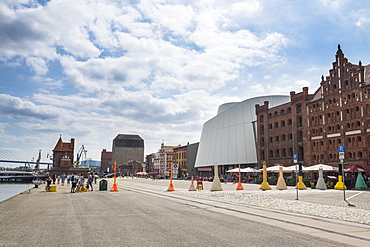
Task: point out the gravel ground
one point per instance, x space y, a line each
267 200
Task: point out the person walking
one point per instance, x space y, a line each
63 178
90 179
73 183
48 184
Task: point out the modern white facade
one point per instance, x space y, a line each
230 137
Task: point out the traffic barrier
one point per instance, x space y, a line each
216 184
200 185
171 187
360 182
320 182
52 188
192 188
281 185
300 185
265 185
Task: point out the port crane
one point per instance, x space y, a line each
81 151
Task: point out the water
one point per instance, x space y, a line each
9 190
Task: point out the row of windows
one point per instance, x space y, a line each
336 128
333 144
281 153
335 156
282 124
281 112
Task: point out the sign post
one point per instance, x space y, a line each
295 159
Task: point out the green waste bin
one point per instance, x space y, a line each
103 184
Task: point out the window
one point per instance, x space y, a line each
282 123
299 108
276 124
289 121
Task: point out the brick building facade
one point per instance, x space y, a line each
314 125
105 161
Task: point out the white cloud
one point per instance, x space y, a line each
37 64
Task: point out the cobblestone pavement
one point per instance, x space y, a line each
355 198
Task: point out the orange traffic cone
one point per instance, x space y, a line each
192 187
170 187
114 187
240 186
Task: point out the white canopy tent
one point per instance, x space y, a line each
326 168
248 170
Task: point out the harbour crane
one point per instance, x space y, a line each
79 154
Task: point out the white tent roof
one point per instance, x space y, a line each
317 167
248 169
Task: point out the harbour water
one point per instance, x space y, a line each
9 190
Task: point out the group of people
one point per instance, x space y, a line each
78 182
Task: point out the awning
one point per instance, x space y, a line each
208 169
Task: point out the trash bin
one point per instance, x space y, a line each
103 184
200 185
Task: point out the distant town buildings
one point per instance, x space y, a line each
128 153
63 161
63 153
105 160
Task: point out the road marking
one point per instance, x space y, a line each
355 195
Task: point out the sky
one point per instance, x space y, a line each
93 69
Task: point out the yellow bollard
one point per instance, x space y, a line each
340 185
265 185
300 185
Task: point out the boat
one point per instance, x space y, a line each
17 177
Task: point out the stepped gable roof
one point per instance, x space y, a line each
59 145
62 146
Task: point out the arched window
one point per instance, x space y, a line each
299 108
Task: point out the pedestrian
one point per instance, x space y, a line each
58 179
63 178
81 182
73 182
90 179
68 178
48 183
54 178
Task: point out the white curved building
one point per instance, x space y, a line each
230 137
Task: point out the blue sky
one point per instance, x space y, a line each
93 69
